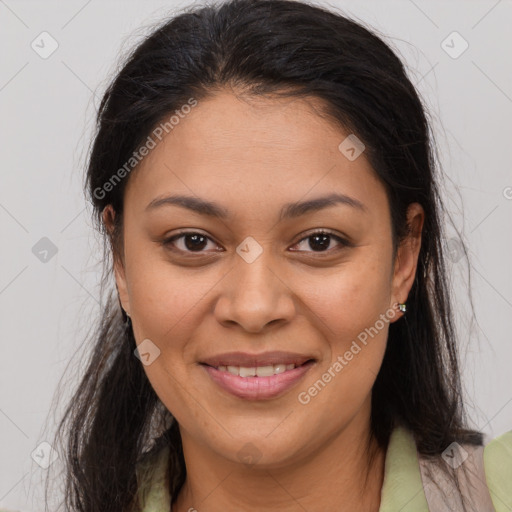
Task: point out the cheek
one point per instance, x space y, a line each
352 298
352 312
166 300
169 304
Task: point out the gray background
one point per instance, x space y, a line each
47 108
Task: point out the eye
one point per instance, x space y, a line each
320 240
195 242
189 241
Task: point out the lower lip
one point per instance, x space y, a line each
258 388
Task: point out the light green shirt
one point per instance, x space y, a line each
402 489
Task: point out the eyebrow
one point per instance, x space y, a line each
289 210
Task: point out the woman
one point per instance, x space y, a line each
281 335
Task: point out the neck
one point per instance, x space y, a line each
345 473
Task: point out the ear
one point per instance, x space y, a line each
406 260
108 216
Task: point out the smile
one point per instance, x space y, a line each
260 382
260 371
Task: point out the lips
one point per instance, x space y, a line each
247 360
257 376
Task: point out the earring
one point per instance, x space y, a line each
402 307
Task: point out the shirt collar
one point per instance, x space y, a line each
402 488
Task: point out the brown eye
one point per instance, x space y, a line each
321 241
190 241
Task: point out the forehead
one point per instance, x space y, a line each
254 151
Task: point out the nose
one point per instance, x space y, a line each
254 296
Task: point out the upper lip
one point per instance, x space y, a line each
253 360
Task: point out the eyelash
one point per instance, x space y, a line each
169 242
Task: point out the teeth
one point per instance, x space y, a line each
247 372
233 370
260 371
280 368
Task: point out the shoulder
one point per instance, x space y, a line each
498 471
152 480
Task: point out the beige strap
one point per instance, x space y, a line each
466 464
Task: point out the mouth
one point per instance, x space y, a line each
258 371
265 359
257 377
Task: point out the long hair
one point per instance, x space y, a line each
264 47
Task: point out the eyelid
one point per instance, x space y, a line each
168 241
342 240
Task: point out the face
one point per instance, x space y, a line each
280 293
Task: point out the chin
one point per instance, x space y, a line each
260 451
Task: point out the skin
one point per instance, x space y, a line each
252 156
